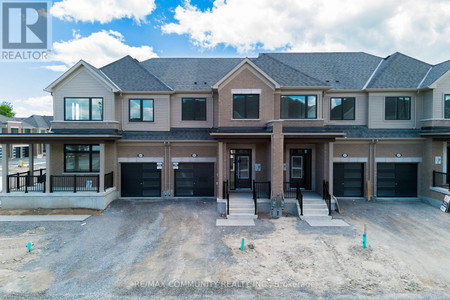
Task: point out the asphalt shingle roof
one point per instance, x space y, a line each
346 70
129 75
190 74
283 74
38 121
399 71
435 73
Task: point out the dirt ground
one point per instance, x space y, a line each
173 249
45 211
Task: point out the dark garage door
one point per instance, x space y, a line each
140 180
348 180
396 180
194 180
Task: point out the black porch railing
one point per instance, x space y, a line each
260 190
226 195
74 183
326 195
25 183
290 189
109 180
441 180
299 197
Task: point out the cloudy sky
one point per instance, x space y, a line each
100 31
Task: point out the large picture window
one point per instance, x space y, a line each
342 108
298 107
193 109
83 109
81 158
246 106
397 108
141 110
447 106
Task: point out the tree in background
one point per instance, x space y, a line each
6 109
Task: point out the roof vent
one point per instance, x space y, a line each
327 81
205 82
337 80
195 82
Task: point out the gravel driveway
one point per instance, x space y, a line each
173 249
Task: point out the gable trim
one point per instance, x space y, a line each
435 83
90 69
239 66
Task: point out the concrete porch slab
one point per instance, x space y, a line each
44 218
326 223
235 222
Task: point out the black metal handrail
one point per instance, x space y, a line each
74 183
441 179
299 197
109 180
326 195
226 195
25 183
290 189
261 189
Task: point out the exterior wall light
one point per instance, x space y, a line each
344 155
140 155
194 155
398 154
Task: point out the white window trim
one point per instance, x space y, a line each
246 91
296 168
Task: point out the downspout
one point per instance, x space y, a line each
170 170
165 164
374 166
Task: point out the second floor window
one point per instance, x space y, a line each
141 110
193 109
447 106
246 106
14 130
83 109
298 107
342 108
397 108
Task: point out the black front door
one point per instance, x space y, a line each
140 180
300 168
396 180
348 179
194 180
240 169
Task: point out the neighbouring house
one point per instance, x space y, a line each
31 125
344 124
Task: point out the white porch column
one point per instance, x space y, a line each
5 162
220 169
101 180
330 167
31 159
47 167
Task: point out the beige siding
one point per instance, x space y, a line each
176 111
442 88
82 84
161 106
376 111
361 109
245 78
427 105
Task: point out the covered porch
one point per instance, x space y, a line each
76 174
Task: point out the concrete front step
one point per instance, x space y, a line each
315 206
242 210
313 202
312 217
241 216
235 222
316 211
242 205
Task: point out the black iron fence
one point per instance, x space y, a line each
26 183
261 189
74 183
226 195
326 195
441 180
109 180
290 190
299 197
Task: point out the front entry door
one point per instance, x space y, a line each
240 169
300 168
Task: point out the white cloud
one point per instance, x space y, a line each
103 11
42 105
98 49
414 27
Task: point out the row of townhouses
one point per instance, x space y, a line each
366 126
34 124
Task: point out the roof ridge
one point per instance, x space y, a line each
292 68
413 58
327 52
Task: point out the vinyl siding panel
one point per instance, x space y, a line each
82 84
427 105
442 88
161 113
361 109
176 111
376 111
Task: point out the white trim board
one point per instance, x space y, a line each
140 159
399 159
192 159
